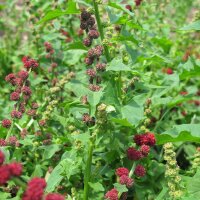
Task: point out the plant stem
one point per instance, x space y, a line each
88 170
19 182
100 28
10 130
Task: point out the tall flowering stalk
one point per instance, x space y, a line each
94 54
21 93
172 172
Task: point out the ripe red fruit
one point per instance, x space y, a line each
94 88
53 196
4 174
30 63
169 71
14 96
86 118
16 114
145 150
93 34
15 168
101 66
3 143
128 7
42 122
147 139
12 140
31 112
11 78
138 2
91 72
98 50
87 42
184 113
134 154
6 123
26 90
122 171
140 171
35 189
112 195
23 74
34 105
183 93
125 180
88 61
2 158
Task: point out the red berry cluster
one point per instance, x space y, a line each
128 7
35 190
168 71
94 74
138 2
7 171
112 194
89 121
50 52
88 24
144 141
49 49
11 141
124 179
93 56
30 63
46 139
67 35
22 91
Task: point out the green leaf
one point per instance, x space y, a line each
122 38
4 195
132 52
194 26
123 122
61 119
117 65
180 133
93 99
112 16
162 194
97 187
76 45
133 112
192 186
121 7
56 176
37 172
53 14
189 69
120 188
50 150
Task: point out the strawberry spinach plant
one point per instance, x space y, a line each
100 100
